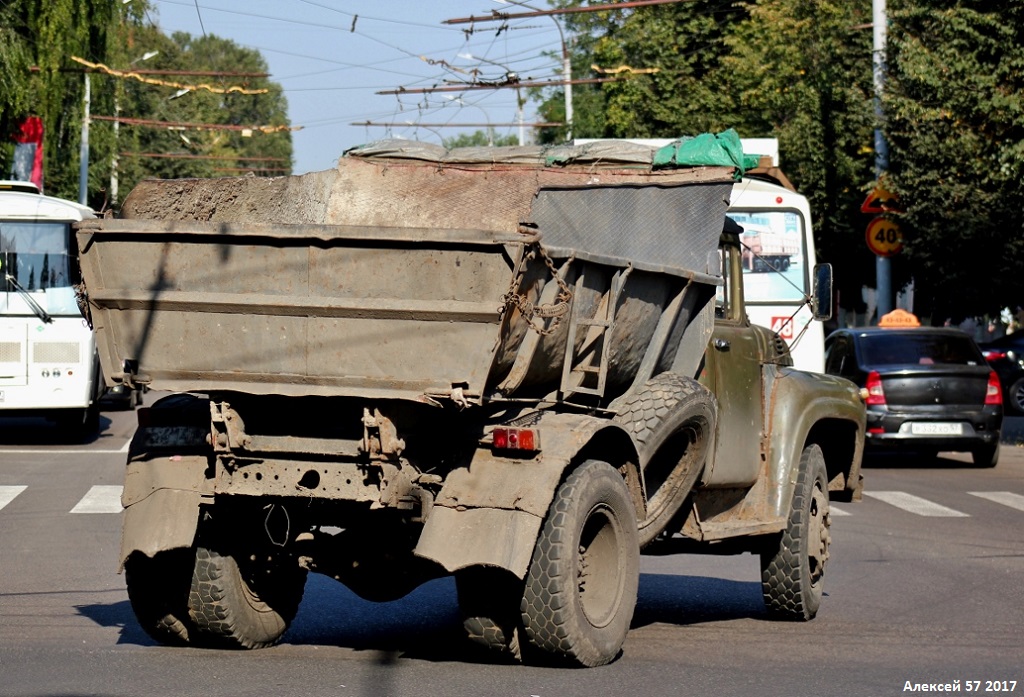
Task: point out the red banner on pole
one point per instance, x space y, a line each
28 153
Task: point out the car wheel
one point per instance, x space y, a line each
986 455
1015 396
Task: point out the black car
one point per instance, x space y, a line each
927 389
1006 356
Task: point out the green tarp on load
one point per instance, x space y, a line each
708 149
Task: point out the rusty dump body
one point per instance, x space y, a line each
492 363
394 279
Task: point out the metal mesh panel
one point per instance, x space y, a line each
669 229
55 352
10 352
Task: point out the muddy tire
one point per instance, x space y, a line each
793 570
672 419
248 607
582 582
489 601
158 589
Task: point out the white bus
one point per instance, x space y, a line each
777 286
48 361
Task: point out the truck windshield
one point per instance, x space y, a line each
774 261
35 256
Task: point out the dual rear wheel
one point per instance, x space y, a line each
200 597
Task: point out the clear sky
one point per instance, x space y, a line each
333 56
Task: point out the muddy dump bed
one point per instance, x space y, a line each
410 272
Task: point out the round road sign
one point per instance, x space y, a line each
884 237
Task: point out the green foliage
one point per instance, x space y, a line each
955 123
480 139
48 33
795 70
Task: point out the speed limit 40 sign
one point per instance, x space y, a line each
884 237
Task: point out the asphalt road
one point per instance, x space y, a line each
924 586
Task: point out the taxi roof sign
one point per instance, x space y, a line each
899 318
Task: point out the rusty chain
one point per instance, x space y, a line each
527 308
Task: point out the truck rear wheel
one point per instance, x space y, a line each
793 570
158 589
672 419
489 604
246 606
582 582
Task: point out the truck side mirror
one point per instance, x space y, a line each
822 299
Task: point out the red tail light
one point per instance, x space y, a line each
516 439
993 355
876 395
994 392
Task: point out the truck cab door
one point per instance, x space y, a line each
734 374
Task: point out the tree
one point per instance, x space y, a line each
479 139
795 70
954 108
44 36
36 37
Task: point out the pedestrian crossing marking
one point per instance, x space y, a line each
100 499
107 499
1004 497
8 494
915 504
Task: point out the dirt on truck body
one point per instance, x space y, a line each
503 364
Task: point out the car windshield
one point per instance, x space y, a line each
901 348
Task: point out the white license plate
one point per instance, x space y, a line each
936 429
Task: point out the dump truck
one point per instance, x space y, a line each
515 366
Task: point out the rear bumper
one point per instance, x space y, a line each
887 430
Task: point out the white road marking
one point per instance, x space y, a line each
915 504
8 494
100 499
836 511
1004 497
55 451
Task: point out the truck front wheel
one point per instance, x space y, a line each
247 606
582 582
793 568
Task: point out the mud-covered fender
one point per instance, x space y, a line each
804 408
162 495
490 513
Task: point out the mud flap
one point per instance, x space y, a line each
161 497
166 519
480 536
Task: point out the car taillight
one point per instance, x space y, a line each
994 392
993 355
873 386
505 438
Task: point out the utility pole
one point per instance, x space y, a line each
83 167
883 267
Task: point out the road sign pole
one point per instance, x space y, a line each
883 268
